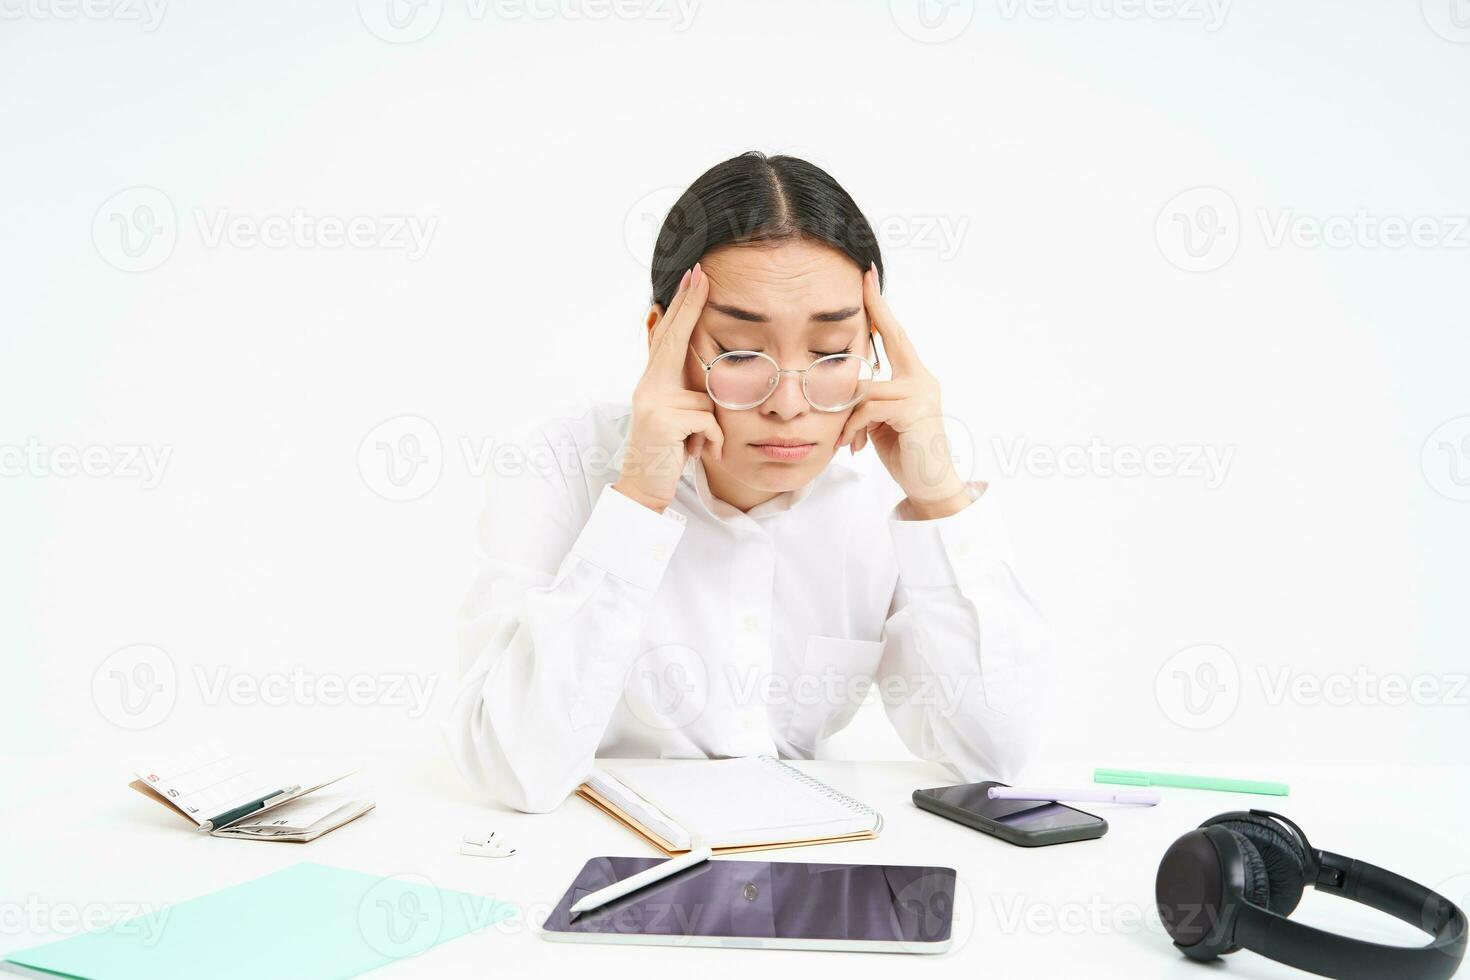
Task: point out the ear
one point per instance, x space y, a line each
655 314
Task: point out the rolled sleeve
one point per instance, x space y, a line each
628 540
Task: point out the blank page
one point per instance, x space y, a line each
730 802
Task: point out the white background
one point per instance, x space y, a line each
1023 164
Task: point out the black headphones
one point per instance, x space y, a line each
1231 883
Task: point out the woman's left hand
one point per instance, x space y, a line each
904 421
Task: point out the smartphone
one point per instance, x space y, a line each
1027 823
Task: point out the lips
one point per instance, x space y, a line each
788 450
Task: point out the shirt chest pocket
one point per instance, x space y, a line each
831 683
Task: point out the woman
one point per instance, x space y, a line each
726 585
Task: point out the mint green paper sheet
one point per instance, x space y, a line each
308 920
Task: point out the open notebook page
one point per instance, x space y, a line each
730 802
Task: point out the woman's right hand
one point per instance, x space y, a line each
670 423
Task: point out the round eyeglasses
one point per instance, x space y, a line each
741 379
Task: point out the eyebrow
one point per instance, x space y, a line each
735 312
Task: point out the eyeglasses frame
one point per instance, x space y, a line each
800 372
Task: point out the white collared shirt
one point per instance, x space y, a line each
599 627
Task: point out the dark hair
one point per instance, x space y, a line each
753 199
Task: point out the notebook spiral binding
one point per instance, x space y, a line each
832 794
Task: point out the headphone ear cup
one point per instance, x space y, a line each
1281 854
1257 882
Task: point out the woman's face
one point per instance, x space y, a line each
796 301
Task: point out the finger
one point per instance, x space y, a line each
895 339
662 327
695 445
865 415
889 390
694 401
672 351
703 422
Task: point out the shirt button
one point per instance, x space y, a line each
965 547
750 623
659 551
750 892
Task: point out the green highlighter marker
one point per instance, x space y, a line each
1129 777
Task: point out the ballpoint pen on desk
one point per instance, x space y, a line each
1142 797
244 809
642 879
1129 777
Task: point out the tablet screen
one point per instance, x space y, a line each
776 900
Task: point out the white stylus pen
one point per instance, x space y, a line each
1146 797
645 877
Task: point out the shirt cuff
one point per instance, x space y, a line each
628 540
929 552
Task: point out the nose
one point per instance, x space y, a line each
787 401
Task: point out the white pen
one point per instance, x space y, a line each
645 877
1146 797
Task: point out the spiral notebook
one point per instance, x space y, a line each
730 805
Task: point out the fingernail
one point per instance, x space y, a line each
685 280
698 275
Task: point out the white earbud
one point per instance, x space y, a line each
483 845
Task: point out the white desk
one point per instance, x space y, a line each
1072 910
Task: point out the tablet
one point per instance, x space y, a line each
880 908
